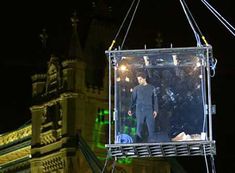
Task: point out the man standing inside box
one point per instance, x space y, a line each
144 104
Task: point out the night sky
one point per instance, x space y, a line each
21 24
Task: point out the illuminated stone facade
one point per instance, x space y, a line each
15 150
63 111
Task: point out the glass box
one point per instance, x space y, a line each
160 95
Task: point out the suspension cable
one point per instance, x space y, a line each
130 23
106 162
205 159
219 17
202 36
183 4
121 26
212 163
113 165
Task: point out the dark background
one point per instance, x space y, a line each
21 24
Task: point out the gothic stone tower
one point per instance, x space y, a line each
64 113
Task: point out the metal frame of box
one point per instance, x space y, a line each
163 149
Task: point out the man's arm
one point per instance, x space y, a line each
154 114
155 103
132 102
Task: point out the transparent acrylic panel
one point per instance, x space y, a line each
160 95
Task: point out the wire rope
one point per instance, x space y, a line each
227 25
130 24
121 26
183 4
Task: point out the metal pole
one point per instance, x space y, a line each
110 104
115 102
209 95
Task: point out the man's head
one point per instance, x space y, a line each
141 77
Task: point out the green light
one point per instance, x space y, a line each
103 112
126 129
100 126
99 145
133 131
106 112
125 161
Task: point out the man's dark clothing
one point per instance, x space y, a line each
143 103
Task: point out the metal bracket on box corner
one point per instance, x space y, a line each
113 61
114 115
213 109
